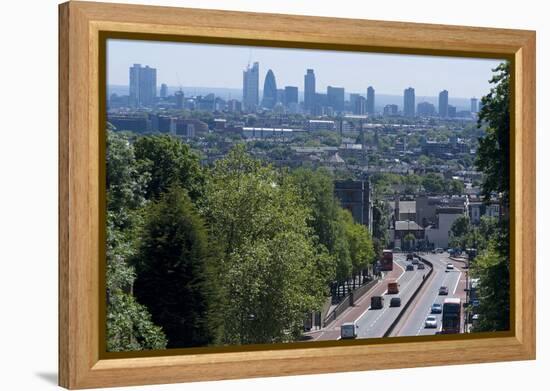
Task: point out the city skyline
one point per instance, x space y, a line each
427 74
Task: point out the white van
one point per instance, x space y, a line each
348 330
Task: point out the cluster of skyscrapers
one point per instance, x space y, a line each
334 100
143 92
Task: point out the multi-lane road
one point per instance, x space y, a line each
374 323
413 321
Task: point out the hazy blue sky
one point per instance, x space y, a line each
201 65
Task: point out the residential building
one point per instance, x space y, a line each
143 85
356 196
473 105
370 100
425 109
443 103
391 110
408 102
360 105
163 91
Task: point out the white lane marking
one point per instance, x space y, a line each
362 314
457 280
379 316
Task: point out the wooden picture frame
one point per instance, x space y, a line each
81 25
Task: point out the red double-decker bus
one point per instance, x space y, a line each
450 320
386 263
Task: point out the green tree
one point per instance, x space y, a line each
172 269
360 243
455 187
129 325
493 155
168 162
433 183
492 267
269 271
316 188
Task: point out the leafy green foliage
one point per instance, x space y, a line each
171 267
129 326
360 243
493 156
492 269
168 162
269 271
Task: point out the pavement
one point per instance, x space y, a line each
412 322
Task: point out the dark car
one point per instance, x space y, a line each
443 290
376 302
395 302
410 256
409 267
421 266
436 308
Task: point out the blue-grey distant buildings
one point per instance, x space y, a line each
391 109
251 79
163 90
408 102
270 90
291 95
336 98
143 85
360 105
425 109
370 100
443 103
473 105
309 90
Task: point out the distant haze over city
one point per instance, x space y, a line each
202 68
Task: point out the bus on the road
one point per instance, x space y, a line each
452 315
386 263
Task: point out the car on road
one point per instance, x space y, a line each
393 287
421 266
410 267
410 256
376 302
436 308
443 290
395 302
449 267
348 330
431 322
397 250
439 250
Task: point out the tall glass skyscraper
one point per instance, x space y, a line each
143 85
270 90
251 79
408 102
443 109
370 100
309 90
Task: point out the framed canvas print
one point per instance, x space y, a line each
247 195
